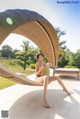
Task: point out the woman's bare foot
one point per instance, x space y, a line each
66 91
46 105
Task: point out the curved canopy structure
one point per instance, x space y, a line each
33 26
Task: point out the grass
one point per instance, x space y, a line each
14 66
4 83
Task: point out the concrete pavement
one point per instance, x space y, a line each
26 102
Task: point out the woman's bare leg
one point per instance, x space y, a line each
45 92
44 81
60 82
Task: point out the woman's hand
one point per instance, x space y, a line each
39 71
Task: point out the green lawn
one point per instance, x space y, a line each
5 83
13 65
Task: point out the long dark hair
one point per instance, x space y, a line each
37 55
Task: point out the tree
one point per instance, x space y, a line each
25 51
62 60
70 57
0 53
59 34
7 51
24 54
77 59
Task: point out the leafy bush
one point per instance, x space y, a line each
32 66
70 66
21 63
67 67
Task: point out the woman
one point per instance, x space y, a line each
42 76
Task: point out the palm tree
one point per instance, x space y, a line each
61 43
25 51
62 61
25 46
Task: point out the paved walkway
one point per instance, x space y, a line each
26 102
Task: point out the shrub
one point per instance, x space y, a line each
32 66
21 63
70 66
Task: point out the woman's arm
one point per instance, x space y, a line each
38 69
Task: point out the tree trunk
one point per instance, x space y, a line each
24 64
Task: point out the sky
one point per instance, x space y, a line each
65 16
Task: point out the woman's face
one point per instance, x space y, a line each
40 58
